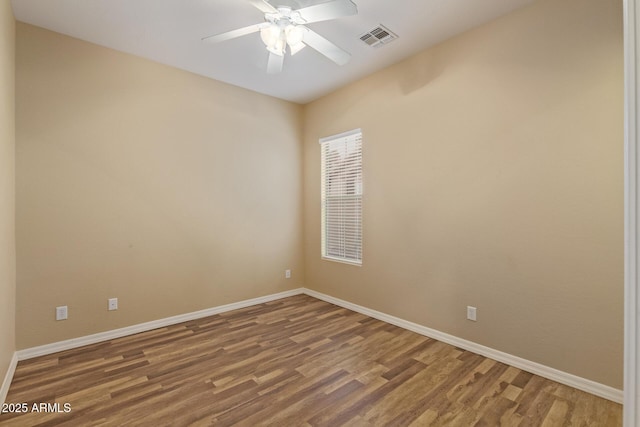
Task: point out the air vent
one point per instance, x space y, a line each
378 36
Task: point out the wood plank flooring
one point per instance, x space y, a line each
293 362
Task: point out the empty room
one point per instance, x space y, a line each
317 213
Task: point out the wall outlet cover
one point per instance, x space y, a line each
471 313
62 312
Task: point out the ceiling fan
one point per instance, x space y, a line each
284 29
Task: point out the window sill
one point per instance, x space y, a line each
342 261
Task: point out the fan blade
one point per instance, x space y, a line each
325 47
217 38
274 66
263 6
329 10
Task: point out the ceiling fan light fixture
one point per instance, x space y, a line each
294 36
272 38
276 38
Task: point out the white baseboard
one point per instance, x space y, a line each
571 380
144 327
8 378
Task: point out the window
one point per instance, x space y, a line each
342 197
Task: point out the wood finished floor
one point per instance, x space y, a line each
293 362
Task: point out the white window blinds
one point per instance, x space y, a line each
342 197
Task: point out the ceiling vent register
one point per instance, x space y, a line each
379 36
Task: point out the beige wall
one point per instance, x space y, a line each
493 167
170 191
7 188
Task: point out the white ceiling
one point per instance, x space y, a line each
169 32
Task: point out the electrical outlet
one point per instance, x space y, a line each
113 304
471 313
61 312
287 274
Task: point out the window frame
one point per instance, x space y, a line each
352 136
